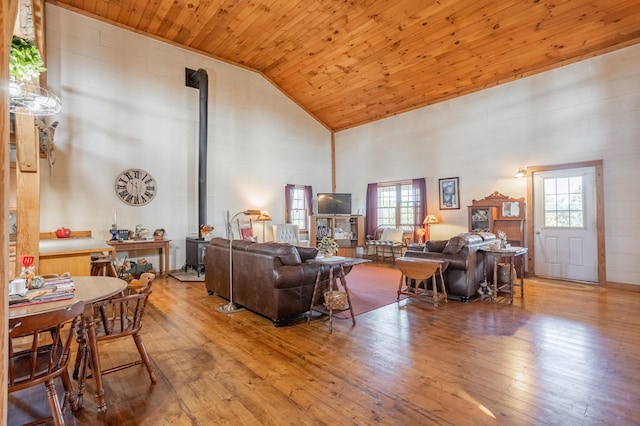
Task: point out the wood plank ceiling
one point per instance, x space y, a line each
349 62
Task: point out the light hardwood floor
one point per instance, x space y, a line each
568 355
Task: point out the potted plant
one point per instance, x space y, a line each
25 62
502 236
328 246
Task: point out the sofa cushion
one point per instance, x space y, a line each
391 234
436 246
287 253
307 253
486 236
454 245
471 238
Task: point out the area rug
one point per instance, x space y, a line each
189 276
371 287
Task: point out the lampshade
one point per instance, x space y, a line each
263 217
430 219
521 173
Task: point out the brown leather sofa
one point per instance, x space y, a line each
466 262
272 279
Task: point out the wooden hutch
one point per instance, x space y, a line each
498 212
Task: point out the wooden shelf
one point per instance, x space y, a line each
326 225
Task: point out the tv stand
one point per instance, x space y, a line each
347 230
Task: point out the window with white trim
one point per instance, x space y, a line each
397 204
298 212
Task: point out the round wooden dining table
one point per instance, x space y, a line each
89 289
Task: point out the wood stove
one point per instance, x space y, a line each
195 254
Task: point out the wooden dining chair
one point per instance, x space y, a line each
137 284
121 317
39 348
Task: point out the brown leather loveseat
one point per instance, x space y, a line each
466 261
272 279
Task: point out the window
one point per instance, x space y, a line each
298 211
397 204
563 202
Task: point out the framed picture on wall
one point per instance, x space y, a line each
449 193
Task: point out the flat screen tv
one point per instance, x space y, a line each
333 203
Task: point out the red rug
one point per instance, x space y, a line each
371 287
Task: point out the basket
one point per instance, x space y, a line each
335 299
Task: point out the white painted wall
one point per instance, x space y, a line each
125 105
581 112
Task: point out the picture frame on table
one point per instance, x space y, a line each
449 193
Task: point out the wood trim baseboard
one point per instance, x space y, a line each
634 288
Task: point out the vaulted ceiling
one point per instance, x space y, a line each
349 62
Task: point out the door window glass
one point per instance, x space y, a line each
563 202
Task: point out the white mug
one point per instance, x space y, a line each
18 287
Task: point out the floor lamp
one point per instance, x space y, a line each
231 307
264 217
429 220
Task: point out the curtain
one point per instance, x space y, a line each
372 209
420 209
288 200
308 199
288 196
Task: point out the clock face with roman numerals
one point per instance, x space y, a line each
135 187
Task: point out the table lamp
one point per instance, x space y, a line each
429 220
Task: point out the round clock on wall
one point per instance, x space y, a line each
135 187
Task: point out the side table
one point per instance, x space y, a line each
420 270
161 245
336 272
498 254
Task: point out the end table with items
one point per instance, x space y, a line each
510 253
337 265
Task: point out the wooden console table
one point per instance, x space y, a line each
133 245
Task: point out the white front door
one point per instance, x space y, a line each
565 224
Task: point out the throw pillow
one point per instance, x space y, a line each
391 234
454 245
436 246
307 253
